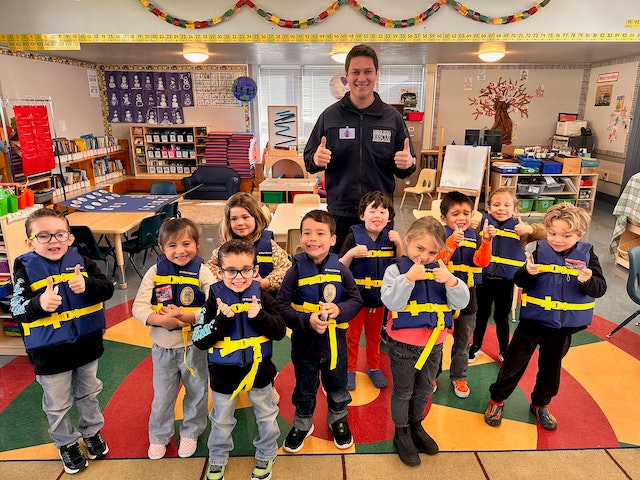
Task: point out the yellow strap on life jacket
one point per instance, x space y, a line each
431 342
58 278
465 269
549 304
227 346
381 253
414 308
507 261
368 282
468 243
185 333
320 278
265 258
308 307
504 233
56 319
561 269
175 280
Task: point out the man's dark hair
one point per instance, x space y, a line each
361 51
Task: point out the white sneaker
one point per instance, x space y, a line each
156 451
187 447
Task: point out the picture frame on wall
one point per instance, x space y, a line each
283 128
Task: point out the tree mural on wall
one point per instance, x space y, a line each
499 99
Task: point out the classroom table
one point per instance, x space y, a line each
287 217
114 224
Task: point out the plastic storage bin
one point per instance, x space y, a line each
550 166
542 204
572 201
505 167
272 197
525 205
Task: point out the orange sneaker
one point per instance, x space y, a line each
460 388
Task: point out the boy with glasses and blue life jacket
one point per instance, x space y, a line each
58 302
238 325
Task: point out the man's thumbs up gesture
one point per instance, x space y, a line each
403 158
322 157
77 283
49 299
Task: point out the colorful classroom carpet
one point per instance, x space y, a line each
598 390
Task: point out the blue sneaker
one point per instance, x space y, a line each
543 417
378 379
493 414
73 460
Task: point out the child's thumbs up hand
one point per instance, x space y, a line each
254 308
224 309
322 157
441 274
488 231
49 299
458 236
403 158
532 268
77 283
523 228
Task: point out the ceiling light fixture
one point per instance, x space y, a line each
339 57
491 52
195 52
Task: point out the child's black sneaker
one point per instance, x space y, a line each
96 446
544 418
295 440
342 437
474 353
72 458
493 414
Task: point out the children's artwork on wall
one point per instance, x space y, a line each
524 75
283 127
603 95
143 97
468 84
214 88
482 75
540 90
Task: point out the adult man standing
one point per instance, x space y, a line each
361 143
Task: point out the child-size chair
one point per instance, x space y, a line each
424 186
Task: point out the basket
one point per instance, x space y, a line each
525 205
572 201
272 197
414 116
542 204
623 248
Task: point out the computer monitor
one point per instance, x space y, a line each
492 138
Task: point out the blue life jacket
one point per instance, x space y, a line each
461 262
243 343
555 299
428 300
265 253
507 254
317 286
368 272
75 318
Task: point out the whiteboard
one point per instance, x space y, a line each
463 166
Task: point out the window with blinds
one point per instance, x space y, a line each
308 88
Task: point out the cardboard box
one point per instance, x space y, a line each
570 128
569 164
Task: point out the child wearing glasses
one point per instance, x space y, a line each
58 302
237 326
169 300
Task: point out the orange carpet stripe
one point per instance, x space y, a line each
610 376
130 331
46 451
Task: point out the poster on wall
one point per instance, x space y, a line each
148 97
214 88
603 95
283 128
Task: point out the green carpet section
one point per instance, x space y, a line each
23 423
377 447
116 364
584 337
281 353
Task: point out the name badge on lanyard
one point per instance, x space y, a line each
347 133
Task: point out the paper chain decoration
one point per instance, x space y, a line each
331 9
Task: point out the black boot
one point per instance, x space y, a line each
421 439
403 444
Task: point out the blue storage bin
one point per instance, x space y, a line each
551 166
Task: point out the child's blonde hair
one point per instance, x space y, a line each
251 205
426 226
508 191
577 218
174 228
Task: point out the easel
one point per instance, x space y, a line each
465 170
